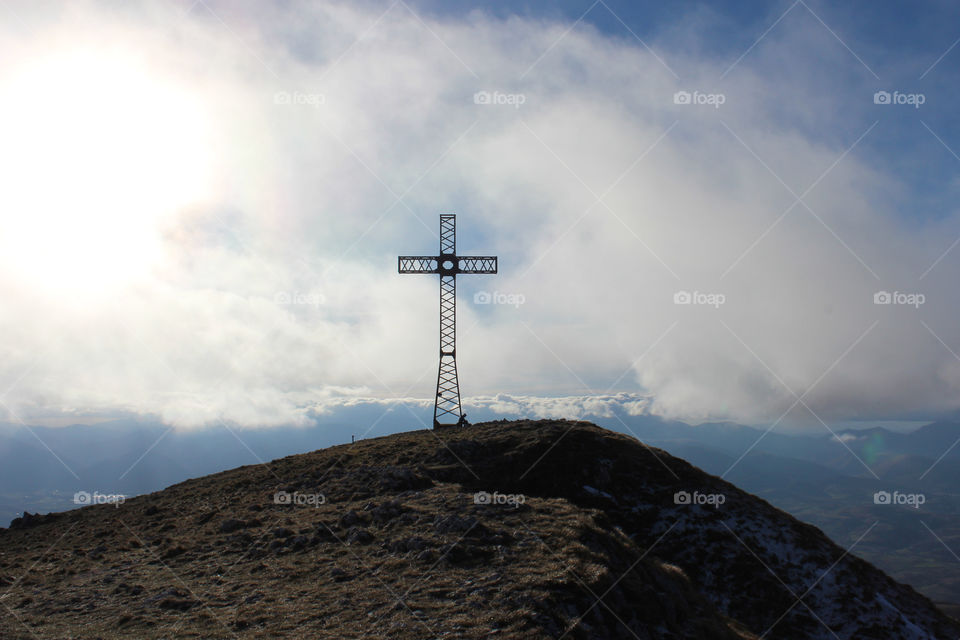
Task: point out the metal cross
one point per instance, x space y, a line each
448 264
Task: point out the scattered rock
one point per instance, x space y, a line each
28 520
125 589
413 543
386 512
173 552
242 539
177 604
300 542
359 535
453 523
231 524
349 519
466 553
403 479
205 518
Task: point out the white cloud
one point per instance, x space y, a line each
521 406
305 202
571 407
847 437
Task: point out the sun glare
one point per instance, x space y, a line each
95 154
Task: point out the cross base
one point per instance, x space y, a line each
462 422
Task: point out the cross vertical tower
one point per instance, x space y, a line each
448 264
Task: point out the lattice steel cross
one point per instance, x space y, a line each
448 264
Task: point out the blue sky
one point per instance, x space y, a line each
907 46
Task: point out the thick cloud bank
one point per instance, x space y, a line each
709 237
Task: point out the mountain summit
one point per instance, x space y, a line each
527 529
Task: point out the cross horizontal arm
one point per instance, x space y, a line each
417 264
432 264
478 264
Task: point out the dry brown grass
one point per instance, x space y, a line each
392 553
